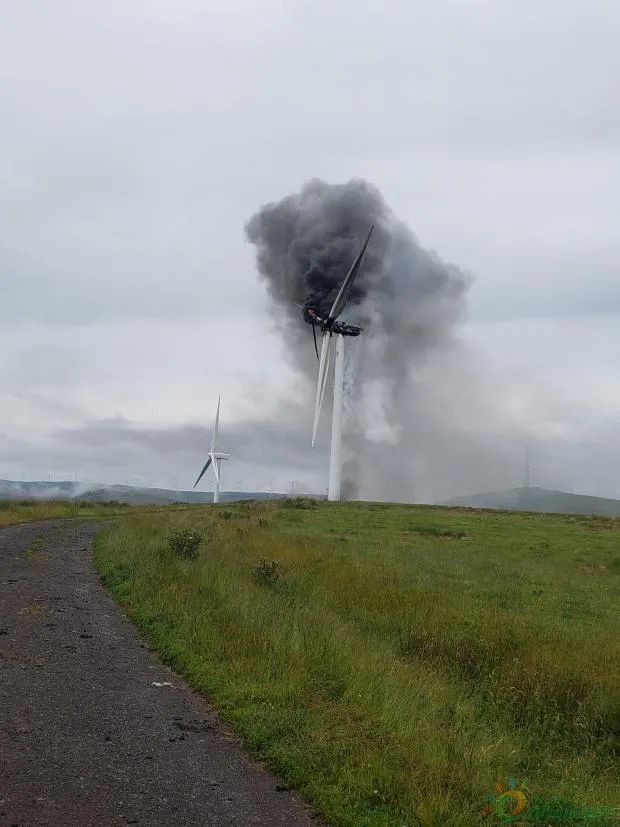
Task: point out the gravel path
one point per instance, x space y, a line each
86 738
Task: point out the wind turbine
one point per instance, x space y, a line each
331 327
215 458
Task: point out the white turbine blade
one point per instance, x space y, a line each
216 426
321 382
323 364
216 470
202 473
325 375
347 284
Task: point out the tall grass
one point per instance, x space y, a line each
26 511
404 659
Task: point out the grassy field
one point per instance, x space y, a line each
405 658
26 511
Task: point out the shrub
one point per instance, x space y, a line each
185 543
434 531
263 523
227 515
298 502
267 571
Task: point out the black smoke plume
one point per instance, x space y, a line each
407 299
307 242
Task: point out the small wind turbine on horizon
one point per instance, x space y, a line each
215 458
331 327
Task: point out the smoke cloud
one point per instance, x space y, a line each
408 300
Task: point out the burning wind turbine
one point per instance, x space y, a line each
331 327
304 244
215 459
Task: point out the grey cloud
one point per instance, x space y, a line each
116 149
137 138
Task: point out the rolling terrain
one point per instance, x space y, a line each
542 500
126 494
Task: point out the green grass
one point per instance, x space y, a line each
27 511
405 658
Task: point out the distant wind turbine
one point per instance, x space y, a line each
215 458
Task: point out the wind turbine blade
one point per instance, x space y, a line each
216 470
321 381
347 284
202 473
215 427
314 337
325 375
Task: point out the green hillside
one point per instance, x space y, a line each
394 662
125 494
542 500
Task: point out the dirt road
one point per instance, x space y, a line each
86 737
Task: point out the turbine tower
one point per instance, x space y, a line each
215 459
331 328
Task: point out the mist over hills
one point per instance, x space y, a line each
514 499
131 495
541 500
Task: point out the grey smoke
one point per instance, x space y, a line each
408 300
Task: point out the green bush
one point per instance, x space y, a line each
267 571
185 543
299 502
434 531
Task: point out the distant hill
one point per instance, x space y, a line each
540 499
132 495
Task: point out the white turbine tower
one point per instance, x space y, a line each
331 327
215 458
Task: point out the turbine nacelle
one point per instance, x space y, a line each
330 325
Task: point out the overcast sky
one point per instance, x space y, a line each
136 138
